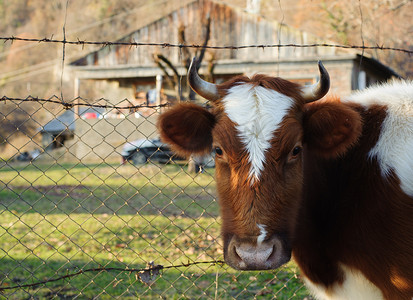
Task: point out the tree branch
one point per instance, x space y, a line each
175 78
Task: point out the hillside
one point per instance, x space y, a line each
354 22
36 68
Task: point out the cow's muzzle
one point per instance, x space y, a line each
247 254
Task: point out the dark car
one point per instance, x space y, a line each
140 151
28 155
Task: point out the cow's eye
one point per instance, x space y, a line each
218 151
296 151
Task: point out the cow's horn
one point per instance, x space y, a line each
318 90
203 88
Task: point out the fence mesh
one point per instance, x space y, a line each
92 205
97 196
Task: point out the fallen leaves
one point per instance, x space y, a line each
149 275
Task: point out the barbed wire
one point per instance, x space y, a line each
108 269
73 102
231 47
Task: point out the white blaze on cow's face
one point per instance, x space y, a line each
263 233
257 113
258 172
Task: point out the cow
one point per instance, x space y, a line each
327 182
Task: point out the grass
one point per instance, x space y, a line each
59 219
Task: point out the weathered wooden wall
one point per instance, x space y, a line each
229 27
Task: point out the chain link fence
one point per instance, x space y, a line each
92 205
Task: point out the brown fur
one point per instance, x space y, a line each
280 85
330 128
329 204
359 219
187 128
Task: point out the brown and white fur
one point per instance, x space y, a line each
329 183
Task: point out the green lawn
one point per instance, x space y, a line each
59 219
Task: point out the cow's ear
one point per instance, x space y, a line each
331 128
187 128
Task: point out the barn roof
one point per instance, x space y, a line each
230 26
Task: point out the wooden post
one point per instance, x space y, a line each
159 79
76 95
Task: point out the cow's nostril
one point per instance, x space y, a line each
272 255
252 256
236 253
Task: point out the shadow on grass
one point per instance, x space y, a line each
61 218
188 282
148 200
105 189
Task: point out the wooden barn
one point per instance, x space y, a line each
135 73
126 71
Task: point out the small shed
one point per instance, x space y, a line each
57 131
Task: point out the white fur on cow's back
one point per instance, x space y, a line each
258 112
394 149
354 287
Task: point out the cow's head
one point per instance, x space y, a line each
259 128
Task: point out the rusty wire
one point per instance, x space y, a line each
151 269
74 102
198 46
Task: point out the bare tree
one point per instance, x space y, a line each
170 70
172 76
371 22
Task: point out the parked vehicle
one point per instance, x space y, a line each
140 151
28 155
